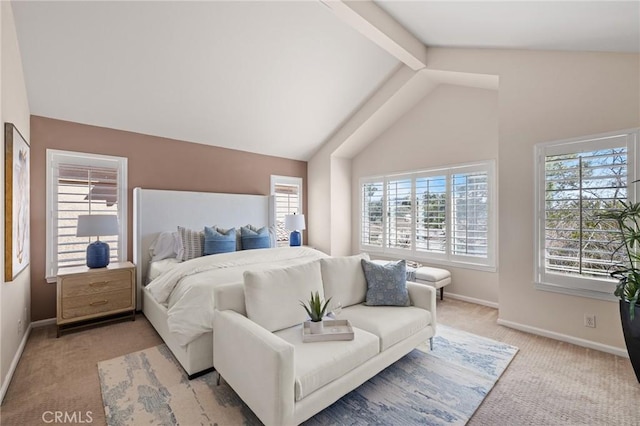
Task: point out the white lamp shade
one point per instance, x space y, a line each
97 225
294 222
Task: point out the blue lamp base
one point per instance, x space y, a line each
97 254
295 239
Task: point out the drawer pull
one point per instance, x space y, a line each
99 302
98 284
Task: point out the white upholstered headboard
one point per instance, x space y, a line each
155 211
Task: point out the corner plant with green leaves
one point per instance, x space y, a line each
628 273
315 308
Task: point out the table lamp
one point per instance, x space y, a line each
295 223
97 225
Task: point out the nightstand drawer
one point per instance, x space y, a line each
81 285
80 306
85 294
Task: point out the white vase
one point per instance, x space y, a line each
316 327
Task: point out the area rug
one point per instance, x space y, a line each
440 387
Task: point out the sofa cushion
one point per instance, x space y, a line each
344 279
273 296
386 284
390 323
319 363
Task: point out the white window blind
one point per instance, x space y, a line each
442 216
83 190
399 213
287 192
371 223
470 214
578 180
80 184
431 225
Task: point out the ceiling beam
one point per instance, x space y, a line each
378 26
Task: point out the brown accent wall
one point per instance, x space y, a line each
153 163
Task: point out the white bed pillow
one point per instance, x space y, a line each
159 267
166 245
273 296
344 279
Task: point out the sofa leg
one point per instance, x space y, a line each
441 293
430 343
218 379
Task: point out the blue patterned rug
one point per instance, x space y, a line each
441 387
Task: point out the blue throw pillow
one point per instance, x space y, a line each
218 241
253 238
386 284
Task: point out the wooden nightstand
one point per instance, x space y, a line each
87 294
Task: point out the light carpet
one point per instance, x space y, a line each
440 387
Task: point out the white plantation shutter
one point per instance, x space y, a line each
577 180
80 184
445 215
83 190
470 214
287 192
431 221
399 214
371 219
578 187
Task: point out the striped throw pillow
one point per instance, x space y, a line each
192 243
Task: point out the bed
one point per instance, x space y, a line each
178 300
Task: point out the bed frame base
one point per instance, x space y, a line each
197 357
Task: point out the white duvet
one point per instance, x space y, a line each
187 289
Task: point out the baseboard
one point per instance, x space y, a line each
14 364
471 300
44 322
565 338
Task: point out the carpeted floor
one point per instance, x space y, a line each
548 382
443 386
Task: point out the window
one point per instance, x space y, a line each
287 193
79 183
576 180
399 213
441 216
372 211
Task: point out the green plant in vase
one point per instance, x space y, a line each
316 310
627 220
627 273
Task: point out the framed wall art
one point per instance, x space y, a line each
16 202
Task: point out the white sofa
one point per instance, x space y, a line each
258 348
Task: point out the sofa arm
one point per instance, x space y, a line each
257 364
423 296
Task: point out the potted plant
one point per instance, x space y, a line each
627 290
316 310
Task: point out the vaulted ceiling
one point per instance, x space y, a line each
276 78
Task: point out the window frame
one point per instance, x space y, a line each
287 180
54 158
592 287
447 258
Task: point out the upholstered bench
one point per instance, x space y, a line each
435 277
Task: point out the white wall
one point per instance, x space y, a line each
542 96
452 125
14 296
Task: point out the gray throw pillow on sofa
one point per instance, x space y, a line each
386 284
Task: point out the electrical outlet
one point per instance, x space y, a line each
590 320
